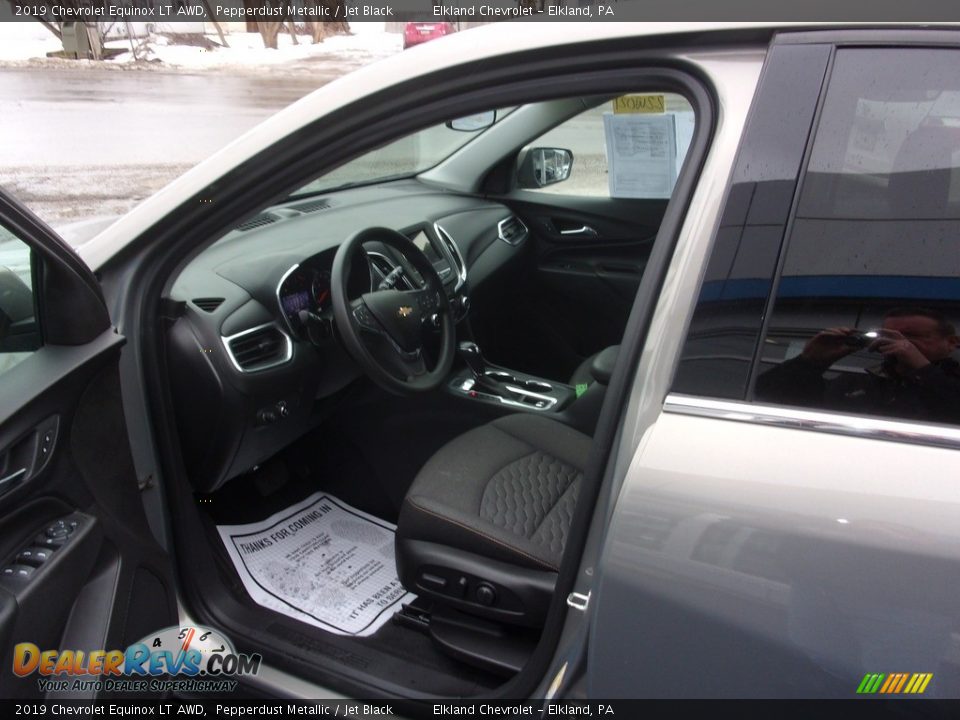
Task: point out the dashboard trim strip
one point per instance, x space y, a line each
523 235
283 314
288 355
448 241
401 279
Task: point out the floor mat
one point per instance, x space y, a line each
322 562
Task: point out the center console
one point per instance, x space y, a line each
490 383
483 382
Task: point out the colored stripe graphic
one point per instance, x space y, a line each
891 681
870 683
903 680
894 683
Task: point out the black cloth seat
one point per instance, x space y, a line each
494 504
585 373
582 375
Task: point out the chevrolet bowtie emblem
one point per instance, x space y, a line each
404 311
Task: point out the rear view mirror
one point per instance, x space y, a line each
538 167
472 123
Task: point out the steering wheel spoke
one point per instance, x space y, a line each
363 317
405 365
384 329
427 300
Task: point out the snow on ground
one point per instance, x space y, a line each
246 50
27 44
26 40
194 102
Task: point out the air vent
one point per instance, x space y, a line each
258 221
454 250
512 230
315 206
380 267
208 304
259 348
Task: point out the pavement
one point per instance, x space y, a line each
83 143
80 139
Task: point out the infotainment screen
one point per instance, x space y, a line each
426 247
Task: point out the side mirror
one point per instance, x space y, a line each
472 123
538 167
19 331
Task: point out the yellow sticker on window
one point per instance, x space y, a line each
639 104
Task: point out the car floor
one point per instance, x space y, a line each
366 456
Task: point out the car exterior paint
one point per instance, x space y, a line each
878 509
859 514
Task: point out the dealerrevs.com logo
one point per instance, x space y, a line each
177 659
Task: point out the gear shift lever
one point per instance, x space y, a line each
471 355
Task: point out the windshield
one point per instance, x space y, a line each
410 155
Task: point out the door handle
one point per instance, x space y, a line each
12 476
29 455
619 268
585 230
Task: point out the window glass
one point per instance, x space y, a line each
632 146
867 305
725 329
19 334
408 155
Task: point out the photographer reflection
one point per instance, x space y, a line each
916 378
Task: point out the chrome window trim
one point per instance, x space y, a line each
871 428
288 356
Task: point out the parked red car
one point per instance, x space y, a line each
415 33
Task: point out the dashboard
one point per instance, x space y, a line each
304 289
253 353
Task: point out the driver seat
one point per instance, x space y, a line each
483 527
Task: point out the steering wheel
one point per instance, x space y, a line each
383 330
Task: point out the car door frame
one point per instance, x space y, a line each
136 280
678 413
110 583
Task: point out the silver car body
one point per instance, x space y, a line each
877 498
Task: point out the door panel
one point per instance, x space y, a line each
588 256
79 568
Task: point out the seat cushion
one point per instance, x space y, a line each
506 490
582 375
597 367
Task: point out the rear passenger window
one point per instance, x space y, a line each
866 306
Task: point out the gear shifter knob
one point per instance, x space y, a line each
471 355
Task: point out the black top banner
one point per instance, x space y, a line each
172 11
213 708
